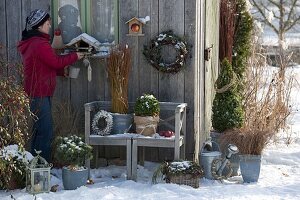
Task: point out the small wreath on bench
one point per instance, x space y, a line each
102 123
154 57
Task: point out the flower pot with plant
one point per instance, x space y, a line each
179 172
250 144
146 118
227 110
118 68
74 151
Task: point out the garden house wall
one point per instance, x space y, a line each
196 20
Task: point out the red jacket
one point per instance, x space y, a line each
41 65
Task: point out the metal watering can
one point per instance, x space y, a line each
212 162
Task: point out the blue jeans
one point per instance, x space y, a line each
42 127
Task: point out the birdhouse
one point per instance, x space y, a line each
135 27
84 43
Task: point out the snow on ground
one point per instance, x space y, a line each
279 177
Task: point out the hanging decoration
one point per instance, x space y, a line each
102 123
154 57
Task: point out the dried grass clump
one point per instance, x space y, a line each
266 96
118 68
65 118
248 141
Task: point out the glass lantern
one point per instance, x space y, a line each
38 175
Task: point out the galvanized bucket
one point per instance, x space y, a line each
206 159
121 123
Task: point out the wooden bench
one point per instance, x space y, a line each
133 141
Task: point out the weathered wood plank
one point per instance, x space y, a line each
171 17
189 75
96 88
3 34
149 82
14 23
199 106
211 66
171 86
79 95
129 9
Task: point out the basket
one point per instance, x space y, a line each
184 179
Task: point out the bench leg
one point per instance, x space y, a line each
141 156
176 152
88 165
128 159
134 159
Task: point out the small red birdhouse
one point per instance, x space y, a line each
135 27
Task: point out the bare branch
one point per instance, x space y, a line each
259 8
274 3
296 21
286 23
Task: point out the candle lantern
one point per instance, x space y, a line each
38 175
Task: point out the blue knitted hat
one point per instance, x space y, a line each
36 18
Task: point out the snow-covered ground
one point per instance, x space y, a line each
279 177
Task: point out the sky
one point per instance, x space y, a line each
279 175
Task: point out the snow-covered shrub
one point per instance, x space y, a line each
14 106
146 105
72 150
13 161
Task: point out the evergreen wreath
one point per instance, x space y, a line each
154 57
97 127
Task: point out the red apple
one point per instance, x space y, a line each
162 133
135 28
57 32
169 133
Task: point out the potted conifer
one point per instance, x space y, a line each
227 107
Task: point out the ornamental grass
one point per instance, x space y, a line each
267 93
248 141
118 68
266 103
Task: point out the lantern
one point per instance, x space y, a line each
38 175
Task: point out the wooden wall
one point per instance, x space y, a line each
192 85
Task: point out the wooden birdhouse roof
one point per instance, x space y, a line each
87 39
137 19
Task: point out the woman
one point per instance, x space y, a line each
41 65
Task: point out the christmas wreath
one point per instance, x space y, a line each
154 57
102 123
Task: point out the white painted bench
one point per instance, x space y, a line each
133 141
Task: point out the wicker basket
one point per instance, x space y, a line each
185 179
